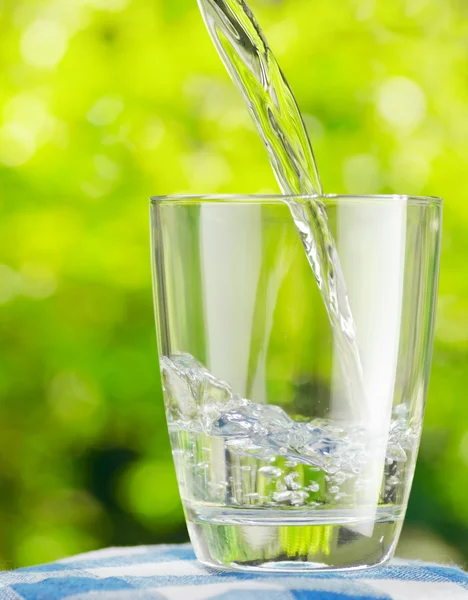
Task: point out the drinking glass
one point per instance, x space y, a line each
282 464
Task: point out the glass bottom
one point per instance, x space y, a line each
272 541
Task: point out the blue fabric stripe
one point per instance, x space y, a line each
57 589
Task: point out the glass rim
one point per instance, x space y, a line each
184 199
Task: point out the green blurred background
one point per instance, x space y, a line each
104 102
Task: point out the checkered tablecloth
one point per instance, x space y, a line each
172 573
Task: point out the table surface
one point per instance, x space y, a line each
172 573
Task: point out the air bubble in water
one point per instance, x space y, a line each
290 481
298 498
216 487
282 496
401 410
340 496
270 472
339 477
396 453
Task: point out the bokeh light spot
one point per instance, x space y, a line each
107 168
41 547
44 43
109 5
365 9
60 134
37 542
413 7
409 172
96 189
153 135
8 284
149 490
315 127
27 110
208 169
17 145
73 399
464 448
361 174
401 102
105 111
37 281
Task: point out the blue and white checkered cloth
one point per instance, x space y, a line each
172 573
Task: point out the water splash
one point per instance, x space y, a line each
252 66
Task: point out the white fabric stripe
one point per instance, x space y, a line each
177 568
10 595
12 577
419 590
203 592
107 553
146 594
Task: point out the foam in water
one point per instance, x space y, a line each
233 452
247 57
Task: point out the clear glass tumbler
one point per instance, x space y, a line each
283 461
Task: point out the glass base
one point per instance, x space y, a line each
272 541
